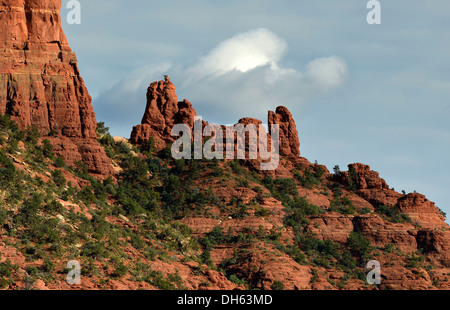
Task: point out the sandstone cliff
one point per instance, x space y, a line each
40 84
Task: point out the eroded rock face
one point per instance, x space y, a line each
369 185
289 141
381 233
40 84
421 210
162 113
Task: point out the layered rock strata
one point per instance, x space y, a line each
41 86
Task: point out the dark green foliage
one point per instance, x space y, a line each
179 167
46 232
206 259
47 149
157 279
309 178
28 213
352 178
58 178
135 170
442 212
166 153
359 245
282 189
32 135
53 207
298 211
59 162
6 268
95 250
48 265
240 211
148 147
277 285
337 171
237 168
216 236
105 139
342 205
364 210
413 260
86 195
7 169
102 129
120 271
392 214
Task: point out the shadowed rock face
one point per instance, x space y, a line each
40 84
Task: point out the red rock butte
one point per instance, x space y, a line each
40 84
163 111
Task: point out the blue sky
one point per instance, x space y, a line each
376 94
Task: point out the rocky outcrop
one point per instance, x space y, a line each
381 233
289 141
369 185
421 211
40 84
162 113
331 225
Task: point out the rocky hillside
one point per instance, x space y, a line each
136 218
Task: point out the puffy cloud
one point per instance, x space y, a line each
243 52
242 76
327 73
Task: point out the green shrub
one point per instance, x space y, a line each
53 207
58 162
342 205
95 250
277 285
58 178
7 169
6 269
45 231
120 270
308 178
413 260
47 149
392 214
86 195
148 147
358 244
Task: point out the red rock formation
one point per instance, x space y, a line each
289 142
421 210
381 233
40 84
369 185
162 112
436 245
331 225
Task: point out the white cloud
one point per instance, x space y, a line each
243 52
327 73
242 76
